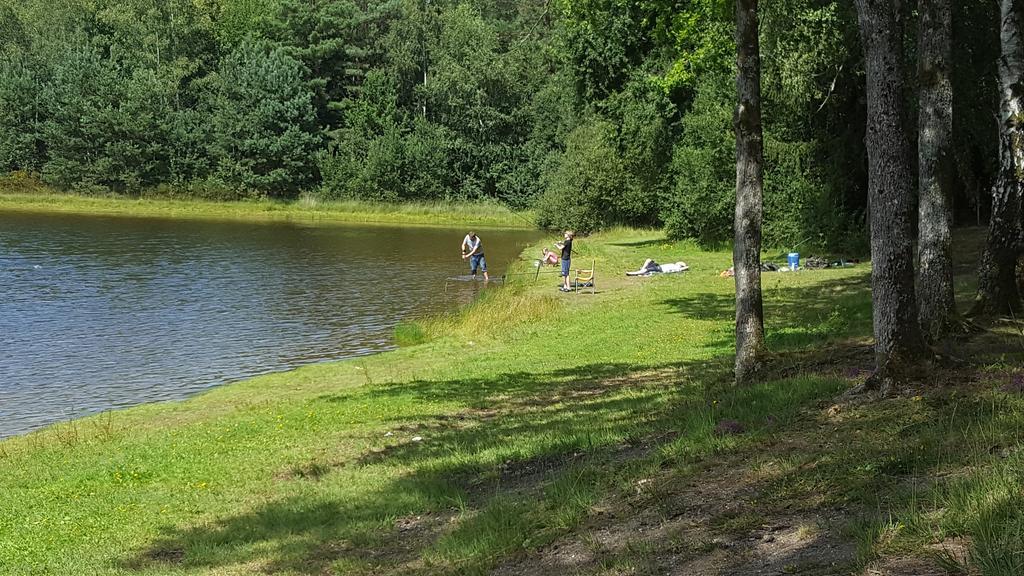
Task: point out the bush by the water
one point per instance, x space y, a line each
585 191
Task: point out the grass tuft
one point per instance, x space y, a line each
409 333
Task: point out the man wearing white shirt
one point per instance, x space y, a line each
473 249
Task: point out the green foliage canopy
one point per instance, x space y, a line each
596 112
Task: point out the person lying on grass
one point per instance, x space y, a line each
651 267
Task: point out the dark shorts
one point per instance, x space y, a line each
477 261
565 267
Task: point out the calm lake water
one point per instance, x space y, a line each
98 313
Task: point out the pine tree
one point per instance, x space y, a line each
336 42
21 115
264 126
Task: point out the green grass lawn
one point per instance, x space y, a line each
512 427
29 197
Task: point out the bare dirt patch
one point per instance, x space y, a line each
904 567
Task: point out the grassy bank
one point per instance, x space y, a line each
481 214
544 433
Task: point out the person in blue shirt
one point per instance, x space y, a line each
473 249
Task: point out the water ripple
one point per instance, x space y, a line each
98 313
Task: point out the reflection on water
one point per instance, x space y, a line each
98 313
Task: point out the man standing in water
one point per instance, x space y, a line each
474 250
566 247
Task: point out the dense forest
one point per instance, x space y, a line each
592 112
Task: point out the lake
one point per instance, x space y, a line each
106 312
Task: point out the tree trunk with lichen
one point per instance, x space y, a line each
749 185
998 292
899 345
935 299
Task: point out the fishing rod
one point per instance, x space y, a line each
532 223
805 240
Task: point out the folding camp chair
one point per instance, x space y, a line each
584 278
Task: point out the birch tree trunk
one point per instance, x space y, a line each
899 346
936 302
749 183
997 284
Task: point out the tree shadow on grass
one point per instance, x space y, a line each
567 409
795 316
709 246
301 534
493 466
640 243
472 472
801 497
517 433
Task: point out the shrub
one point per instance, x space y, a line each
700 203
584 192
797 203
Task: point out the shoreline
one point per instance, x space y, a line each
483 215
214 385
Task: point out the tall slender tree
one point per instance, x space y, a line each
749 187
998 292
899 345
936 302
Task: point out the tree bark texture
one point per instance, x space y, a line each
997 284
899 346
936 302
749 184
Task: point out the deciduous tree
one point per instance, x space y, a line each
998 291
936 303
749 184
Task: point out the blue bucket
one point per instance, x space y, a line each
793 260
